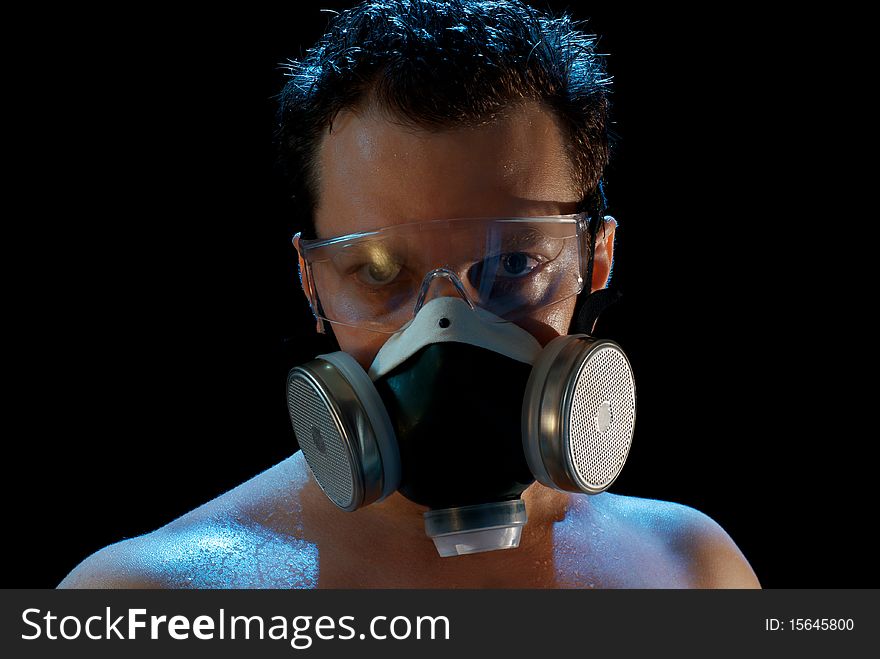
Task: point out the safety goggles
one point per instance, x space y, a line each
509 266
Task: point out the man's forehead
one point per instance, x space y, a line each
374 170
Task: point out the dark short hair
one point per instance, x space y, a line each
438 65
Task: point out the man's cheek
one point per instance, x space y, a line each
552 321
360 344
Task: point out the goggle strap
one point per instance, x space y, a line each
597 215
593 306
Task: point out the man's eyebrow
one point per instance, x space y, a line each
526 236
526 239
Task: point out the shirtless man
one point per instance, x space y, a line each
539 152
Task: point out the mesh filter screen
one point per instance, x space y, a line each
602 417
314 426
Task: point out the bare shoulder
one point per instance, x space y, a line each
709 555
246 538
119 565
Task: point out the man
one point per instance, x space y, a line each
437 128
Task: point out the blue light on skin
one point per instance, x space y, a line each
229 554
232 550
613 541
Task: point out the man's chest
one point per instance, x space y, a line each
584 548
557 565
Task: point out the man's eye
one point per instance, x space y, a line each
378 273
505 268
514 264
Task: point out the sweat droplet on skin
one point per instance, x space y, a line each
228 554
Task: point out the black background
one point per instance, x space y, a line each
154 309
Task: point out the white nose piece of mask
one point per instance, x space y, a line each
446 319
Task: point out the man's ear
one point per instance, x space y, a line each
604 258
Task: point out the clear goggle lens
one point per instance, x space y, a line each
510 267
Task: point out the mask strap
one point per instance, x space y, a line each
593 303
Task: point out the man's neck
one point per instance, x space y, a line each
401 520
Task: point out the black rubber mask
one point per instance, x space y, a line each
456 410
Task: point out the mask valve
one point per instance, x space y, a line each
476 528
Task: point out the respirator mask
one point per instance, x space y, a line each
462 409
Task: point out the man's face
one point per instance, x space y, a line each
375 173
